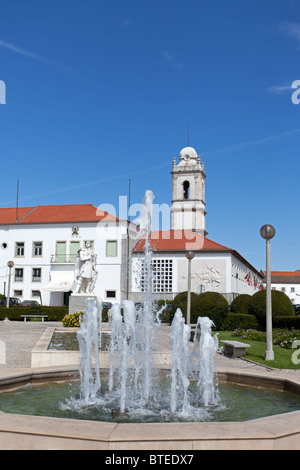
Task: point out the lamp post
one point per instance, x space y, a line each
268 232
10 264
189 256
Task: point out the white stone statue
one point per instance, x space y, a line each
85 270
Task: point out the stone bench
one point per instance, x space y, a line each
234 348
34 316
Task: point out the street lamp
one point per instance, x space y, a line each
189 256
10 264
268 232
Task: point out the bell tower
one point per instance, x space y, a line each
188 193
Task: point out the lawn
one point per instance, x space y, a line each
284 358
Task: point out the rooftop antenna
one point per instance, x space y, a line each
17 206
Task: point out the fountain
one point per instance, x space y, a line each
127 390
131 368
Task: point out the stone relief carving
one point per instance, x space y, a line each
209 277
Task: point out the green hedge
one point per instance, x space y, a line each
14 313
287 322
281 306
241 304
239 320
209 304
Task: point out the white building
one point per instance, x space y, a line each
287 282
214 267
42 242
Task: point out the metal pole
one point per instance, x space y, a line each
188 310
8 289
269 355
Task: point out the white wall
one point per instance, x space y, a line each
213 271
238 282
109 268
294 296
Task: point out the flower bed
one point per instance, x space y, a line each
282 337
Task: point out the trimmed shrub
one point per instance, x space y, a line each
281 306
287 322
14 312
214 306
241 304
168 313
209 304
239 320
180 301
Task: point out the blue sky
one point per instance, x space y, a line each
98 92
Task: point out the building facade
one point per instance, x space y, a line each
287 282
43 242
214 267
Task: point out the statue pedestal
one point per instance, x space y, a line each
77 302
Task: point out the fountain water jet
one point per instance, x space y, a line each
89 339
131 347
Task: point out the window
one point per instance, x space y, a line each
36 274
111 248
20 249
37 249
60 255
18 293
111 294
35 293
18 274
186 190
162 276
292 289
74 247
283 289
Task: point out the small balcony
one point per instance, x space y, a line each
63 259
66 259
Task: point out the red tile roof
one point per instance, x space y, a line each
179 240
284 277
285 273
54 214
183 240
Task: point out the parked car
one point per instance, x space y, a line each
12 301
107 305
297 309
30 302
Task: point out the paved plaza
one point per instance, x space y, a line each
21 337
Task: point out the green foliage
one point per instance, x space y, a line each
241 304
180 301
208 304
281 306
287 322
214 306
72 320
14 313
283 338
167 315
239 320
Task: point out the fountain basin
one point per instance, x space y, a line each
37 432
43 356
